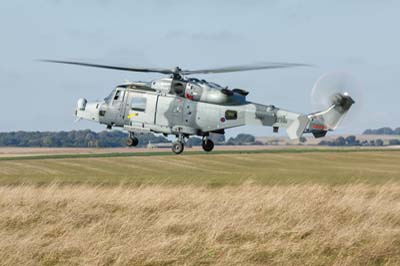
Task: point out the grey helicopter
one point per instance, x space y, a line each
185 106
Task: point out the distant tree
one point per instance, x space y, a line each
352 141
378 142
365 143
217 138
194 141
368 132
381 131
325 143
74 138
340 141
245 138
385 131
242 139
394 142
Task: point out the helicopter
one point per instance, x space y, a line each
184 106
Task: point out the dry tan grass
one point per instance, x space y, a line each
355 224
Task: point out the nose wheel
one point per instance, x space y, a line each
207 144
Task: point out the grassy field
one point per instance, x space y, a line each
254 208
263 167
232 225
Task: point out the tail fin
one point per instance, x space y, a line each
329 119
297 127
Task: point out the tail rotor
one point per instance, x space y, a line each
328 88
332 96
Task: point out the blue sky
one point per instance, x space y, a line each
356 36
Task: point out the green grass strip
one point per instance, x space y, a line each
169 153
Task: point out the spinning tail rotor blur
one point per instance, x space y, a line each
332 96
328 86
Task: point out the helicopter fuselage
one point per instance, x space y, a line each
197 107
190 107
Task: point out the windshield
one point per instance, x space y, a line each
109 97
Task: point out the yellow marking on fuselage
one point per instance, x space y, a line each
132 115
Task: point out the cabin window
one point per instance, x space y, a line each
139 104
230 115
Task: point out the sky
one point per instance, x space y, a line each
359 37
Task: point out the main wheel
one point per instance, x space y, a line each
208 145
177 147
132 141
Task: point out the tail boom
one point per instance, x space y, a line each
318 123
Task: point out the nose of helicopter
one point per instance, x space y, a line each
87 111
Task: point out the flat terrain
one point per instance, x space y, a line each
23 152
257 207
354 224
199 168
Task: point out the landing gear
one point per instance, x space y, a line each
207 144
132 140
178 146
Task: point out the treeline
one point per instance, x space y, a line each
74 138
353 141
382 131
115 138
219 139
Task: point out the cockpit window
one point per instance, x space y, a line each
138 104
117 94
109 97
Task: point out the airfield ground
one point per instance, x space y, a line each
257 207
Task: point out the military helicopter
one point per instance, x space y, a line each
184 106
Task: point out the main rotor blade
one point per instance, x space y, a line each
177 70
243 68
133 69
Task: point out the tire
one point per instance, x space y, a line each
177 147
207 145
132 142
